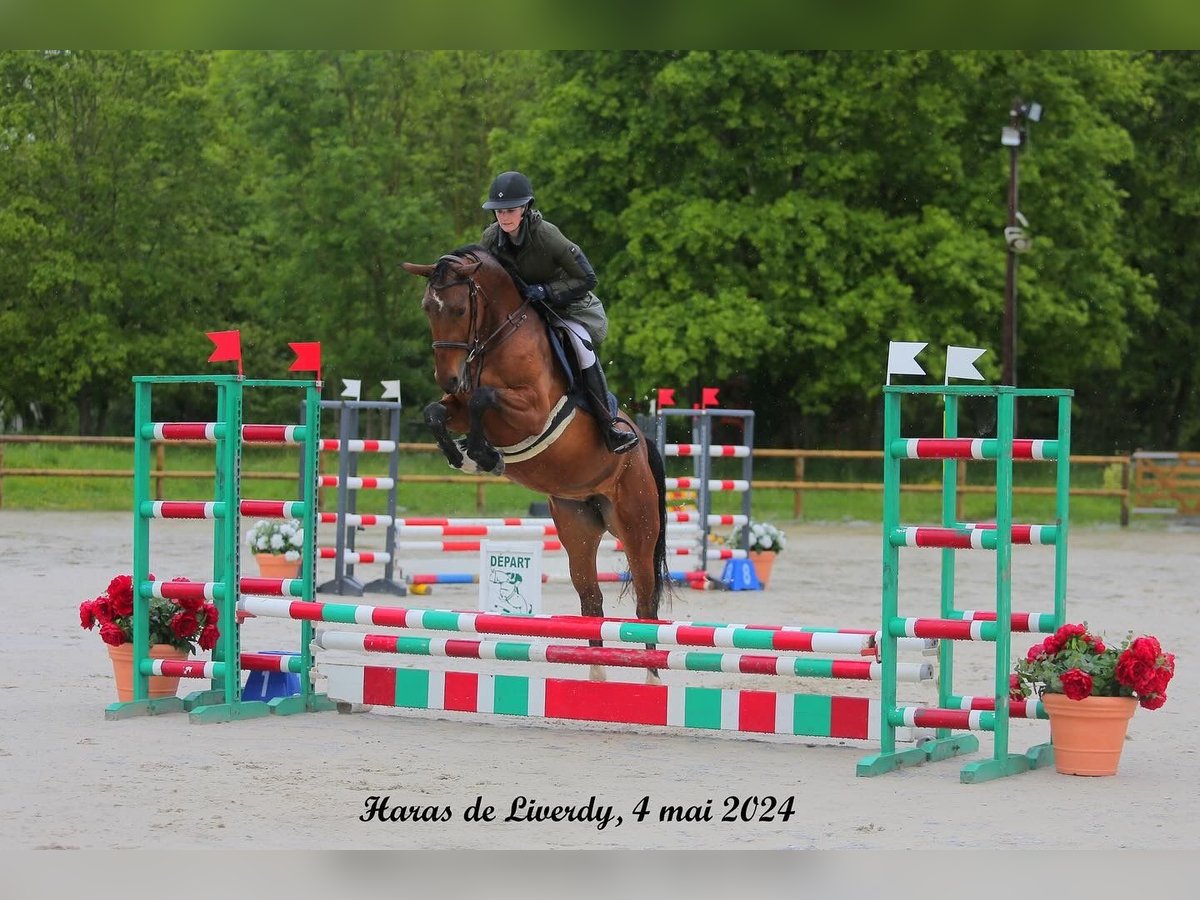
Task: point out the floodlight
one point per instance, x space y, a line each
1010 137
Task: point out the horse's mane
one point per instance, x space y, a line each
476 252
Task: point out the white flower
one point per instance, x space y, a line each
284 538
763 537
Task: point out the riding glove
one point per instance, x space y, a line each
537 292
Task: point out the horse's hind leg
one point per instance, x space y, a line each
636 524
580 528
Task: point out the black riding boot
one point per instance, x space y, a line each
617 440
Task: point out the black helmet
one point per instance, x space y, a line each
509 190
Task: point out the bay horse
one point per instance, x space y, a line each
505 392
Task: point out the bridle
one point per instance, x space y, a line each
476 346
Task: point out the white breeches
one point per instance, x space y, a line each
582 342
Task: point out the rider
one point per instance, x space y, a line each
556 272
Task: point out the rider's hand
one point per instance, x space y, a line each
537 292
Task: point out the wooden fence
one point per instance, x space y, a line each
799 485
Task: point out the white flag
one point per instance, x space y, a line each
960 363
902 358
352 388
391 390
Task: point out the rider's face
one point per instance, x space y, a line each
509 219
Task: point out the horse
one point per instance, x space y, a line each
503 390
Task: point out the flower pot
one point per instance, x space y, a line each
1088 734
764 562
276 565
160 685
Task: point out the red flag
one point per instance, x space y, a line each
228 347
666 397
308 357
708 397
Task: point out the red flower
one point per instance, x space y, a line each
1077 684
208 637
112 634
184 624
1152 701
1035 651
1146 648
103 609
120 592
87 615
1014 687
1133 670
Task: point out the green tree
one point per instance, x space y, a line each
783 215
111 229
1156 400
352 163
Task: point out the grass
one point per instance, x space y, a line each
500 498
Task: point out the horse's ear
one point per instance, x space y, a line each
414 269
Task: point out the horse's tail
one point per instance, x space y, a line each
662 574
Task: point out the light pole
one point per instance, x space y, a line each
1015 238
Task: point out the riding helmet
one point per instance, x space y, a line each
509 190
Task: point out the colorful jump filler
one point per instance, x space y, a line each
697 647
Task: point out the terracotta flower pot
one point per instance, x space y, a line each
1088 734
275 565
764 562
160 685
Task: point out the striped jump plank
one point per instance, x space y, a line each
1037 623
944 629
547 577
356 520
760 712
680 660
675 529
1030 708
698 449
357 483
630 631
353 557
358 446
213 431
678 516
968 537
188 509
970 448
215 590
200 668
714 484
674 548
936 717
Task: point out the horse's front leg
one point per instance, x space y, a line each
437 415
478 447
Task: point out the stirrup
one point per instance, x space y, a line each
620 441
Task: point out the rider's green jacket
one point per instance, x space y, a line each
541 254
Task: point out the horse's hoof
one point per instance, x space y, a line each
652 677
491 463
597 674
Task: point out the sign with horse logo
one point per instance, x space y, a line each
510 577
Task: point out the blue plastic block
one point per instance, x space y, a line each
739 575
266 686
